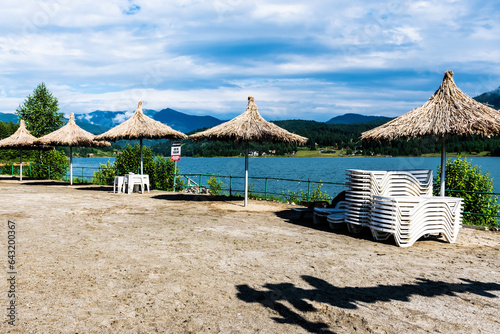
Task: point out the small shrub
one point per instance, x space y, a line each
106 174
316 195
163 176
57 161
216 187
469 183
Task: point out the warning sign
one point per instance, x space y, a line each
175 154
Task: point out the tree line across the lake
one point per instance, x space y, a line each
341 138
41 112
327 137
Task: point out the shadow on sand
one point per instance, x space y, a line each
196 198
34 182
273 295
292 217
108 189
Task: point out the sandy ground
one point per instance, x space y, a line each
90 261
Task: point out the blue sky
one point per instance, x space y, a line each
310 59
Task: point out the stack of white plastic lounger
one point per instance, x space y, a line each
321 214
364 184
409 218
336 219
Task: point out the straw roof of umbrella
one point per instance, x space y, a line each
248 127
71 135
140 126
22 139
448 111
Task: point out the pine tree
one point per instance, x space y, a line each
40 111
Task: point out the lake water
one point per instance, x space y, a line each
265 171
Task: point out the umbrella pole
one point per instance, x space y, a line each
21 167
142 171
443 163
71 165
246 174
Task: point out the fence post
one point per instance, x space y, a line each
49 172
199 185
175 176
30 168
230 185
265 190
308 188
99 175
12 171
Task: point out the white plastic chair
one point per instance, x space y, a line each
145 181
118 184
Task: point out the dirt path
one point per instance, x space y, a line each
90 261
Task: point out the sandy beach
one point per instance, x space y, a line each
90 261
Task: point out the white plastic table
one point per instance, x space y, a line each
133 180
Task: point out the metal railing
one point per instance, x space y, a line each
95 175
479 194
32 170
263 187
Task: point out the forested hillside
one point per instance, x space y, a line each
339 136
321 135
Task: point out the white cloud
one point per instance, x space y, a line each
190 55
283 13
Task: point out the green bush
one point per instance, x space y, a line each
468 182
163 176
216 187
129 160
106 174
57 161
316 195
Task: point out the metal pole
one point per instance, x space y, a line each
175 173
70 165
230 186
246 175
308 188
21 167
265 190
142 170
443 163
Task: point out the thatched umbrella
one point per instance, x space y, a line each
140 126
448 112
247 127
21 139
71 135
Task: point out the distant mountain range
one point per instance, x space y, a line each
8 118
184 122
491 98
104 120
100 121
356 118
